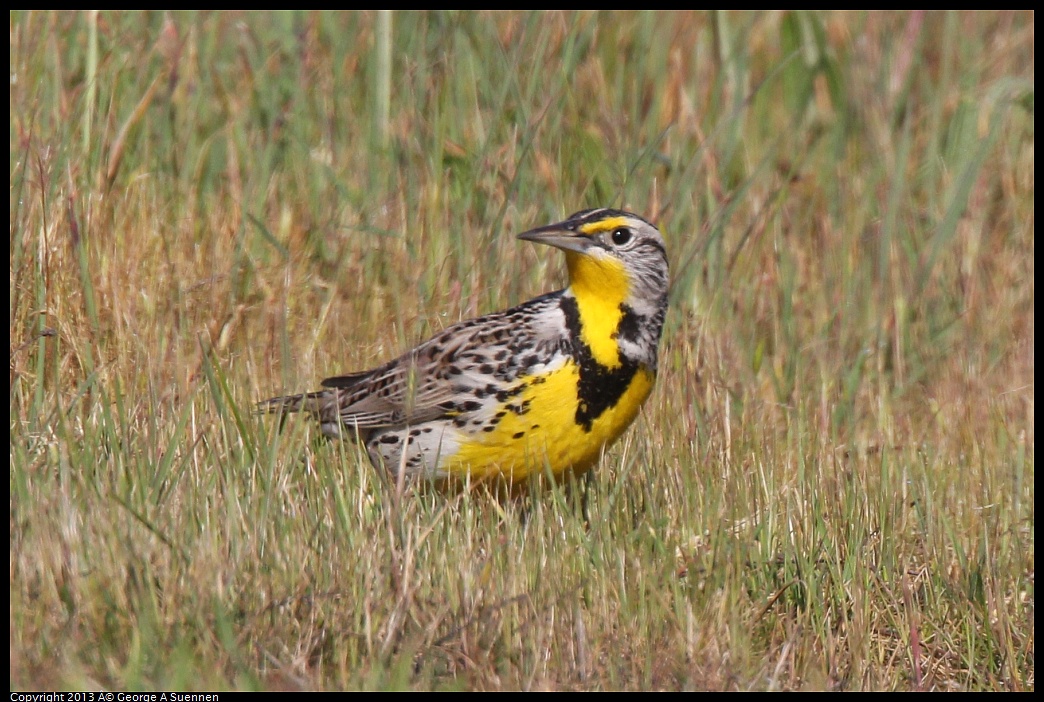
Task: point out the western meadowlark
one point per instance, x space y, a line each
544 385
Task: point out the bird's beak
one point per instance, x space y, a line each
562 235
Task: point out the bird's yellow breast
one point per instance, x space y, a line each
548 434
564 417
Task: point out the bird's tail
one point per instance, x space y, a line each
321 404
306 402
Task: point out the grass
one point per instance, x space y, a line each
831 487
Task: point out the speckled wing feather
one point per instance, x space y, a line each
431 381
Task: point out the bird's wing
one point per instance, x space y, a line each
420 386
448 374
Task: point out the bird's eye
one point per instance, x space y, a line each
621 236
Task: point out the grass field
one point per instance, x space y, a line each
830 488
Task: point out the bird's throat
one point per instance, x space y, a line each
600 286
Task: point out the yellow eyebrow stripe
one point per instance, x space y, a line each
603 225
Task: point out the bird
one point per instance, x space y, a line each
540 387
